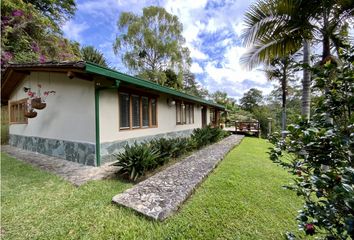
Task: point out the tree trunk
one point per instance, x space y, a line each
306 82
326 48
284 93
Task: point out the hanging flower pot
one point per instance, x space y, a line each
31 114
38 104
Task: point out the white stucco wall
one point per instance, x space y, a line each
69 114
109 119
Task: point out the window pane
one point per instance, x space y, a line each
153 112
192 113
183 113
124 103
145 105
187 114
136 111
178 112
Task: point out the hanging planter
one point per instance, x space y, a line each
31 114
38 104
36 101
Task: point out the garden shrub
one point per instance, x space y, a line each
182 147
321 155
165 147
137 159
207 135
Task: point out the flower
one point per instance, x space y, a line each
35 47
31 94
7 56
309 229
42 59
17 13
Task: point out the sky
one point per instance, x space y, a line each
212 30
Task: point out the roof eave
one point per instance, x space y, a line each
99 70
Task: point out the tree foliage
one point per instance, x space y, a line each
56 10
89 53
251 99
27 36
277 28
192 87
152 43
319 153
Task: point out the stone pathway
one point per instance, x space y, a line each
73 172
162 194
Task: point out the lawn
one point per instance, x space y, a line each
242 199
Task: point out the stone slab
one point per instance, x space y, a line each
162 194
73 172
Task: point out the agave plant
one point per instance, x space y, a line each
137 159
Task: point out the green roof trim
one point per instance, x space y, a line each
97 69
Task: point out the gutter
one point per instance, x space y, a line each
97 119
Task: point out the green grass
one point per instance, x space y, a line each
241 199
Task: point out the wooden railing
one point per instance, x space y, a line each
245 127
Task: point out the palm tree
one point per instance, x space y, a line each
277 28
91 54
282 70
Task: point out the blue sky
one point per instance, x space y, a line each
211 28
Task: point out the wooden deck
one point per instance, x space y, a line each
249 128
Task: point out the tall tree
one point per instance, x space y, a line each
282 70
251 99
89 53
192 87
172 79
275 28
152 43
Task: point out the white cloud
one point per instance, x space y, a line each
231 76
196 68
197 54
227 75
74 30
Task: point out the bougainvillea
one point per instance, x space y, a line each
319 153
29 36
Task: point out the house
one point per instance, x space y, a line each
95 111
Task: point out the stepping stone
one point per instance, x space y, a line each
161 195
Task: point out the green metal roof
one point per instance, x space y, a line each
97 69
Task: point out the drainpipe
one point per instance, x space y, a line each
97 118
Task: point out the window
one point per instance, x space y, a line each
212 116
17 111
136 111
124 110
184 113
153 111
145 111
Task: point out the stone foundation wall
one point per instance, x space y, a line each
109 148
83 153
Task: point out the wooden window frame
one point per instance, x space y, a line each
16 104
183 114
140 95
